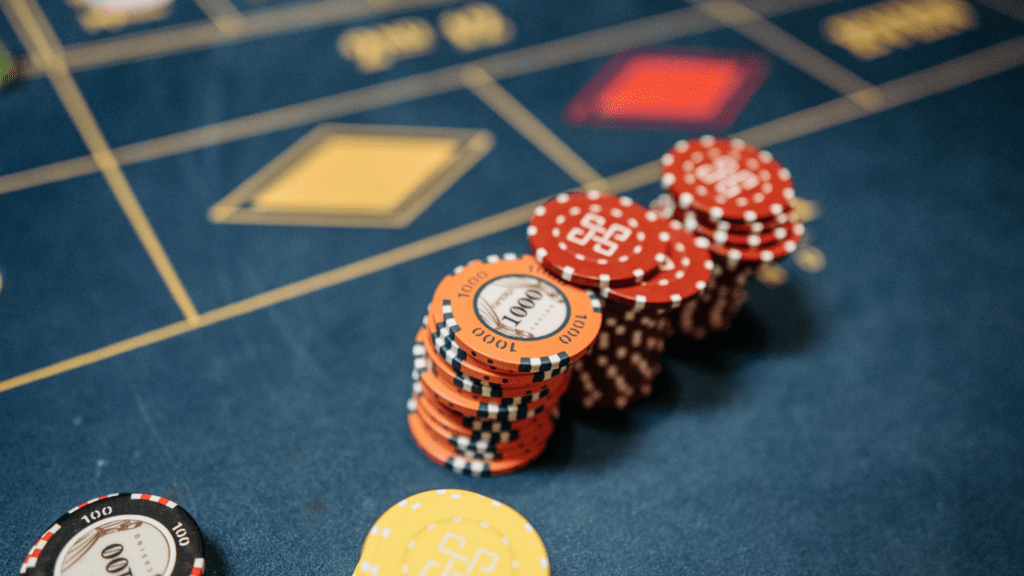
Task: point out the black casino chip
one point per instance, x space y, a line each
120 535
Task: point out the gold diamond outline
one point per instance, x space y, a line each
236 207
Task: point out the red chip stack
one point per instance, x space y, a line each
738 200
644 267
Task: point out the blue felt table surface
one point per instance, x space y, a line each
866 419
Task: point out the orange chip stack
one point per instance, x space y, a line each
492 361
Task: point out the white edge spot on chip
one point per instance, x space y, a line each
707 140
681 146
667 180
540 210
540 254
666 159
562 198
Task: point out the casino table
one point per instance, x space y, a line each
199 300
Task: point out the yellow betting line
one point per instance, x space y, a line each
224 16
791 49
505 105
1012 8
256 24
960 71
358 269
109 351
650 30
46 50
584 46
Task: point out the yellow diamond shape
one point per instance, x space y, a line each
352 175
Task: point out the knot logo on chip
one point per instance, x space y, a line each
483 559
605 239
522 307
725 174
130 545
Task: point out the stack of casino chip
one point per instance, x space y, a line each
738 200
492 360
645 267
120 534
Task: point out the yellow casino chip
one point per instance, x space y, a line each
453 531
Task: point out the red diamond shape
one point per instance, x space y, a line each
669 88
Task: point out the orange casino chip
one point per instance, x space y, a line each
515 316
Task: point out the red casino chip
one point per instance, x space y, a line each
726 179
595 239
683 275
621 367
692 220
727 237
767 253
